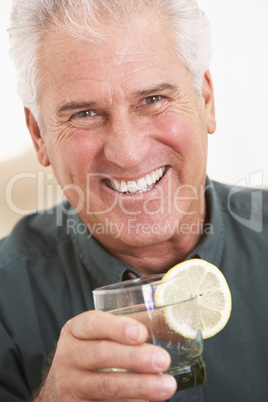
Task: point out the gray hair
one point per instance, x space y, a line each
86 19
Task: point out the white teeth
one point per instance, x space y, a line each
142 185
149 180
115 185
123 187
132 186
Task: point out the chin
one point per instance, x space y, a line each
140 237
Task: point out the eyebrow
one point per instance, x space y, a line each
74 106
164 87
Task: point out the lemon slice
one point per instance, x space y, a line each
213 298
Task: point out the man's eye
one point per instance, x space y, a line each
85 113
151 99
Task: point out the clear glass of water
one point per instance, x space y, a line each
139 299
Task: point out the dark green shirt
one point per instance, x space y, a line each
50 264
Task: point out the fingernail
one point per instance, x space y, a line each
168 384
161 360
134 333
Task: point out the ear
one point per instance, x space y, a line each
37 138
208 96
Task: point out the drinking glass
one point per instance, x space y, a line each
139 299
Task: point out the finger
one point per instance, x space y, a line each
99 325
93 355
105 386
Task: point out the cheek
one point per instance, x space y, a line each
188 139
74 156
80 154
179 134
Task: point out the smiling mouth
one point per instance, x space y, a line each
142 185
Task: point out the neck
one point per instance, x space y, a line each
161 256
153 252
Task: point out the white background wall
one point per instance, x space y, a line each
239 147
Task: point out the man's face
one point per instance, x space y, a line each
125 132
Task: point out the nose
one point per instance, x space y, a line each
128 142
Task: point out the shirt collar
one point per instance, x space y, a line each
102 265
212 245
108 269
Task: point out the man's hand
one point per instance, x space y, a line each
93 342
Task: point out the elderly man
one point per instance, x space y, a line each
119 101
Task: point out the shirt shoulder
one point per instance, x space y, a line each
35 236
244 212
246 200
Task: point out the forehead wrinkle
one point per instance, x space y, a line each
115 70
119 48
